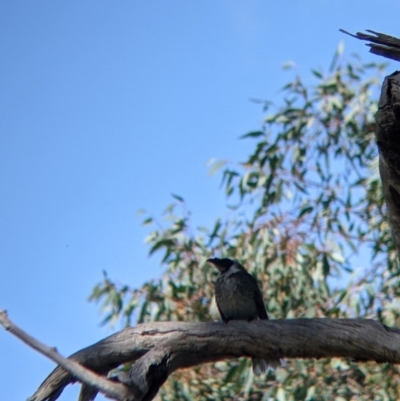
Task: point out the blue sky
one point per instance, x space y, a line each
109 107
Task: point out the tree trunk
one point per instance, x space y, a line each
388 139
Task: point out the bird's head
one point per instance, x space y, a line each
223 265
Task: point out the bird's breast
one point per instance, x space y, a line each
234 300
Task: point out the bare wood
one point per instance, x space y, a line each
87 393
382 44
111 389
163 347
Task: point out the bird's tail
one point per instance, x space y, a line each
262 365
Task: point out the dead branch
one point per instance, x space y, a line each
160 348
382 45
111 389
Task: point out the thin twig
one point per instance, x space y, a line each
111 389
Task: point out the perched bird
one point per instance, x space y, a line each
239 298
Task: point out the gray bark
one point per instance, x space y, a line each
160 348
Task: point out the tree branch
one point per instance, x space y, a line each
382 45
160 348
111 389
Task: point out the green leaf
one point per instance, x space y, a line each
305 210
317 74
215 166
253 134
178 198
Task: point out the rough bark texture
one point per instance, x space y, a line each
388 127
388 139
161 348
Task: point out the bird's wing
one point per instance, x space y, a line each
249 284
261 311
217 298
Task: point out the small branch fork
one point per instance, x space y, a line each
160 348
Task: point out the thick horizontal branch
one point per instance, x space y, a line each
163 347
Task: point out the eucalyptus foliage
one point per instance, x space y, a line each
307 219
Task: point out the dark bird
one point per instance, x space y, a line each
239 298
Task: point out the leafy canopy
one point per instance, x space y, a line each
307 219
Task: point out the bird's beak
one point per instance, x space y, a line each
212 261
